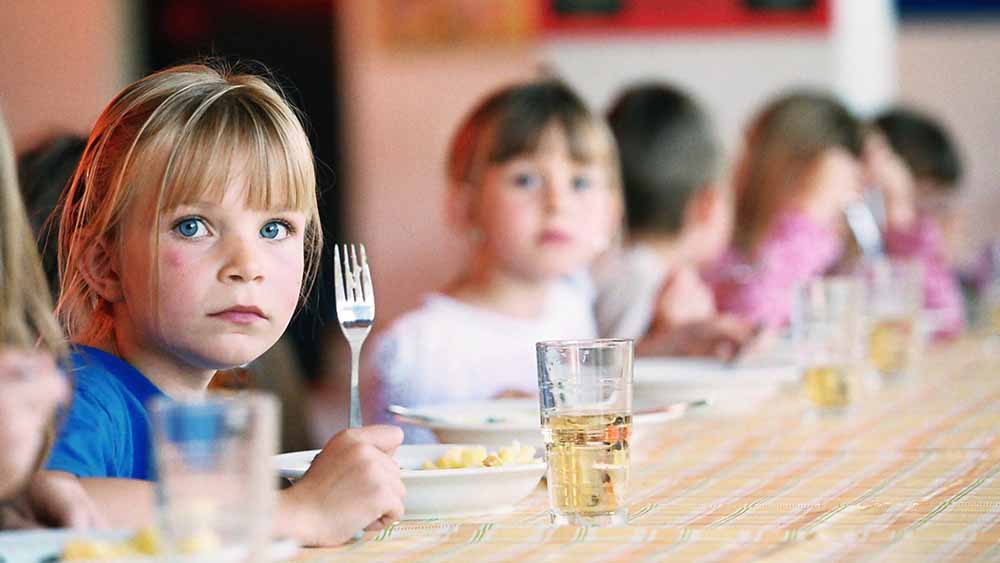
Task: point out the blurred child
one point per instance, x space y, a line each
678 217
799 169
185 241
31 386
914 164
533 185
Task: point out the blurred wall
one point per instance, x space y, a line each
952 69
60 63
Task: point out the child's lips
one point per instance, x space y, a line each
554 236
240 314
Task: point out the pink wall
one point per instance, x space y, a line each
60 62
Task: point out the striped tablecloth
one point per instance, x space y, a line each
910 474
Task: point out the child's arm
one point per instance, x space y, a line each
57 499
352 485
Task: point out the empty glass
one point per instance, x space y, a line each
216 489
586 411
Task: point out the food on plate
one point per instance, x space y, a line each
476 456
145 542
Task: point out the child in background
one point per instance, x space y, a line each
533 185
678 217
185 241
800 167
31 386
915 165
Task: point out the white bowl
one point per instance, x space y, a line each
735 389
443 493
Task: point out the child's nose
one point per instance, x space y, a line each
241 263
555 196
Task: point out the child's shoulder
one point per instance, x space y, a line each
104 378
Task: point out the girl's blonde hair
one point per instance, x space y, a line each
510 122
184 132
26 318
782 144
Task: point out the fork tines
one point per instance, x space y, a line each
352 278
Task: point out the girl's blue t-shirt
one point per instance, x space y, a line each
107 430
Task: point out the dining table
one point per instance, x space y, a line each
910 471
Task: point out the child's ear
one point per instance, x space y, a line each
100 268
461 210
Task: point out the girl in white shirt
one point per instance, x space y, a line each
533 183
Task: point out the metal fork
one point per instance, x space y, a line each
355 311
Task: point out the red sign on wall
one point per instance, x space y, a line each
615 16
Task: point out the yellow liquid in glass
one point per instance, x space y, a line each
889 345
588 456
995 317
826 386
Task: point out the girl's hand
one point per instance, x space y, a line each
353 484
32 389
57 500
887 171
835 180
684 299
722 338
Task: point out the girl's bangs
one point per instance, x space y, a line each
238 140
587 140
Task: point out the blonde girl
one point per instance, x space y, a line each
31 386
533 187
185 241
800 167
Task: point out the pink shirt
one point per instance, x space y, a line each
797 248
794 249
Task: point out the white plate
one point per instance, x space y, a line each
499 422
732 389
443 493
38 546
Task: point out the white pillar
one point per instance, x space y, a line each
863 38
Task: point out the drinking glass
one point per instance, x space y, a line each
894 297
216 484
586 413
826 329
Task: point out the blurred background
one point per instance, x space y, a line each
383 83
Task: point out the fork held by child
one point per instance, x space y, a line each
355 311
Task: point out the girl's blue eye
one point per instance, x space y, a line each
581 183
191 228
526 181
274 230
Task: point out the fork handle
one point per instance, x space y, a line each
355 413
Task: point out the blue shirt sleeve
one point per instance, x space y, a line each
86 446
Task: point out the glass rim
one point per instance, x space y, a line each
585 343
209 398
